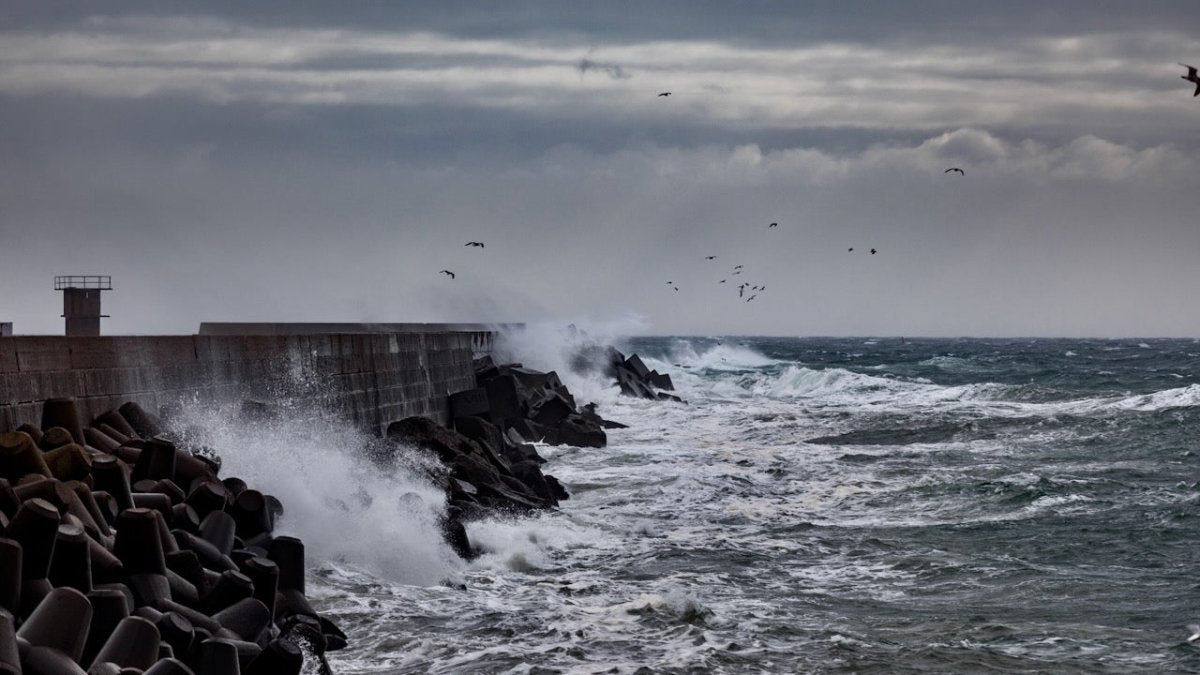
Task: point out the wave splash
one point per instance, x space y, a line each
733 371
347 509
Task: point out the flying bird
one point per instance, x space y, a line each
1192 77
955 168
850 250
474 243
721 281
738 267
752 297
873 251
447 272
710 257
773 225
665 93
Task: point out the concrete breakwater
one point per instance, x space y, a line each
371 379
122 550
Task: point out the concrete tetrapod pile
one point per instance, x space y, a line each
122 551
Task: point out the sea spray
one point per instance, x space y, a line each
557 346
347 508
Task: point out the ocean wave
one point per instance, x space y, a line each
842 387
722 356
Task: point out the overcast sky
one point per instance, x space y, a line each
323 161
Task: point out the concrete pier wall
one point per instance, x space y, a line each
372 379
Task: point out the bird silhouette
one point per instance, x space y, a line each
955 168
752 297
474 243
710 257
665 93
738 267
1192 77
850 250
721 281
447 272
873 251
773 225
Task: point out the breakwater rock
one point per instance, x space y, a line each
492 465
635 379
526 405
123 551
631 374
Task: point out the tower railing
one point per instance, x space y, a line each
90 281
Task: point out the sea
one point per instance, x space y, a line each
817 505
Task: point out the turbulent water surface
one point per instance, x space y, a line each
819 505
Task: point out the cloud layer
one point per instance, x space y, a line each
227 167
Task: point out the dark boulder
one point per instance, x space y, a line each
533 431
522 452
552 409
581 433
530 473
485 369
660 380
505 397
470 402
639 369
429 435
456 535
556 488
588 412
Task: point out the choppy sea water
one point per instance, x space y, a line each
818 505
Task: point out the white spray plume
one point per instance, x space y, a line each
346 508
556 344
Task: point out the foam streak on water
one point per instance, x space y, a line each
822 505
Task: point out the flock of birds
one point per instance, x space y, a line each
1192 76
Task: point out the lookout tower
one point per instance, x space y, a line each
81 302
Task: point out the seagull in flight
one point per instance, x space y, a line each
1195 632
752 297
710 257
474 243
955 168
772 225
1192 77
721 281
447 272
850 250
665 93
873 251
738 267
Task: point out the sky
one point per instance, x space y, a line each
296 160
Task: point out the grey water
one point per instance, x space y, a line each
828 506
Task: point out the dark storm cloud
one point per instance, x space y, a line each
753 21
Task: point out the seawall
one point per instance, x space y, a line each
370 378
